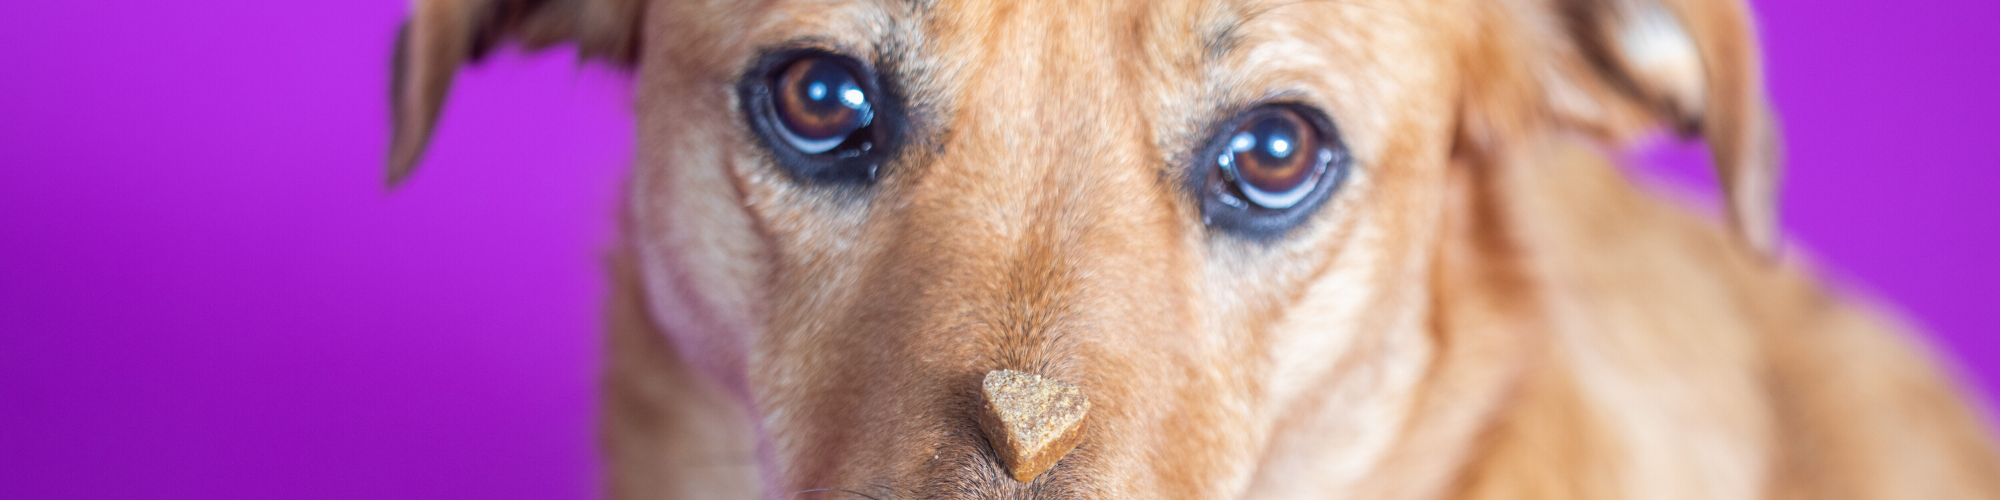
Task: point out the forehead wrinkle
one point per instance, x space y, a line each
1030 63
1045 95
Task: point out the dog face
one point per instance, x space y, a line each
1219 219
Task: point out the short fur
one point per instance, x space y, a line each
1486 309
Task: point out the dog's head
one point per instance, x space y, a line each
1221 219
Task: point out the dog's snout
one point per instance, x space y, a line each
967 466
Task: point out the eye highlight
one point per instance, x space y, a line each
823 116
1268 169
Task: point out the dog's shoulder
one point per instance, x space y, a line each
1683 364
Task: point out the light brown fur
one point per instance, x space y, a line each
1486 309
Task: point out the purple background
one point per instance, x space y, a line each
206 293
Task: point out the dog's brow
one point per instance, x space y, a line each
920 5
1224 38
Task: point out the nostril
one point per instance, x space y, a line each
1031 421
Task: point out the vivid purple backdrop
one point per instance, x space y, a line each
206 293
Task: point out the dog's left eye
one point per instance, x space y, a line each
1268 169
1273 159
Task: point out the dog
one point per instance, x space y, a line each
1359 249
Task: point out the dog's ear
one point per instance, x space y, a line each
441 35
1616 68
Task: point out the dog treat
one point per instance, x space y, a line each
1031 421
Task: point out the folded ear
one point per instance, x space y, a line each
1622 66
441 35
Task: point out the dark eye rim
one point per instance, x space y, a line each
839 166
1249 220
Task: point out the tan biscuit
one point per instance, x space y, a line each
1031 421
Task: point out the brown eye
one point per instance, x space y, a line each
819 104
1267 170
824 118
1275 158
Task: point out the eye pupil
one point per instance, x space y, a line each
1277 134
819 105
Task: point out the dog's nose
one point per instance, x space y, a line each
1031 421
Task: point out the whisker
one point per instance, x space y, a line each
851 492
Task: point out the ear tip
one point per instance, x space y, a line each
1763 237
402 163
1753 213
394 180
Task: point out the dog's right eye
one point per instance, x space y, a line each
820 114
819 105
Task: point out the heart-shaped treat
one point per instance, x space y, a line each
1031 421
